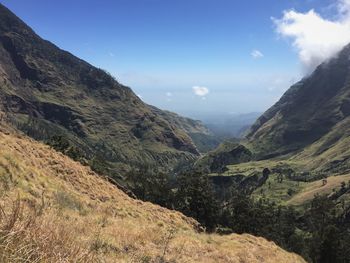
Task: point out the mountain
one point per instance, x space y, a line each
301 140
314 114
204 139
58 98
53 209
309 126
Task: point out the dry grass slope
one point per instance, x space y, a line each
317 188
53 209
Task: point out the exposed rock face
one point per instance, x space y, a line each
49 92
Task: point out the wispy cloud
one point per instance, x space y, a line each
200 91
316 38
256 54
169 96
280 84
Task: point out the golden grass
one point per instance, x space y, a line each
67 213
26 236
317 187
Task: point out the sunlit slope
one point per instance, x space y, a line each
80 216
292 181
331 153
309 191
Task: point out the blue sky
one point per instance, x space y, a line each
228 49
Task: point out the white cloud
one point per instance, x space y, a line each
315 38
344 7
111 54
256 54
200 91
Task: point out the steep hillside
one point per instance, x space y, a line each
331 153
66 213
50 93
308 111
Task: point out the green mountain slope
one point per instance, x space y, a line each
302 140
56 97
307 111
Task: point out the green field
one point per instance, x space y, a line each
287 190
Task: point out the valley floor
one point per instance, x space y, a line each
291 190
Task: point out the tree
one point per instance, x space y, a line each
195 197
150 184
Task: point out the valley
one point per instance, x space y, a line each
89 172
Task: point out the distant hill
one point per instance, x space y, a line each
58 98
